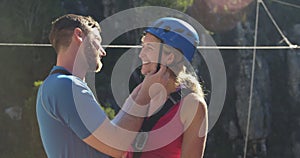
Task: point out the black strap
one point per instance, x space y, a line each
174 98
149 123
159 57
60 71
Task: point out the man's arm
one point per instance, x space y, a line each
115 137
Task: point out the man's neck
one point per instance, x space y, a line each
72 64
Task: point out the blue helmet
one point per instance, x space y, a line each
176 33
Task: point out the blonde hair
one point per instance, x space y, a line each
182 76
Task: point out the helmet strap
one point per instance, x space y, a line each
159 57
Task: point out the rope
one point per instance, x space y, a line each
275 24
139 46
24 45
287 4
122 46
249 47
290 45
252 79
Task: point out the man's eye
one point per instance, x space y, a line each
96 45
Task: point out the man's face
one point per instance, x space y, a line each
94 51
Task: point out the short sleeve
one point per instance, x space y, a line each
76 106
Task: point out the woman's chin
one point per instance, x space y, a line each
147 69
143 72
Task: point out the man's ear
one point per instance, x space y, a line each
78 35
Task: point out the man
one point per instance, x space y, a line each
71 121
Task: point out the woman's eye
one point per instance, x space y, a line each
149 48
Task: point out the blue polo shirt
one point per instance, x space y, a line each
67 112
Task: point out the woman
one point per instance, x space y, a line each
179 131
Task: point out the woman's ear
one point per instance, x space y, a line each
170 59
78 35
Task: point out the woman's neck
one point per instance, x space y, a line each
172 85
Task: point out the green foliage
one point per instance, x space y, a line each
180 5
32 146
37 83
110 112
27 21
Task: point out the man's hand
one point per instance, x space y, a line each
152 84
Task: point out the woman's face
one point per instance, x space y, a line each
149 54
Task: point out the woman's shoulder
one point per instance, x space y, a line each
192 106
194 99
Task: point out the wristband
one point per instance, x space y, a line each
132 108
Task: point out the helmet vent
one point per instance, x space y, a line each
158 24
179 30
190 34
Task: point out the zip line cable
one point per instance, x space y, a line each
139 46
290 45
287 4
24 45
252 79
275 24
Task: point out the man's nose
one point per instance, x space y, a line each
103 52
